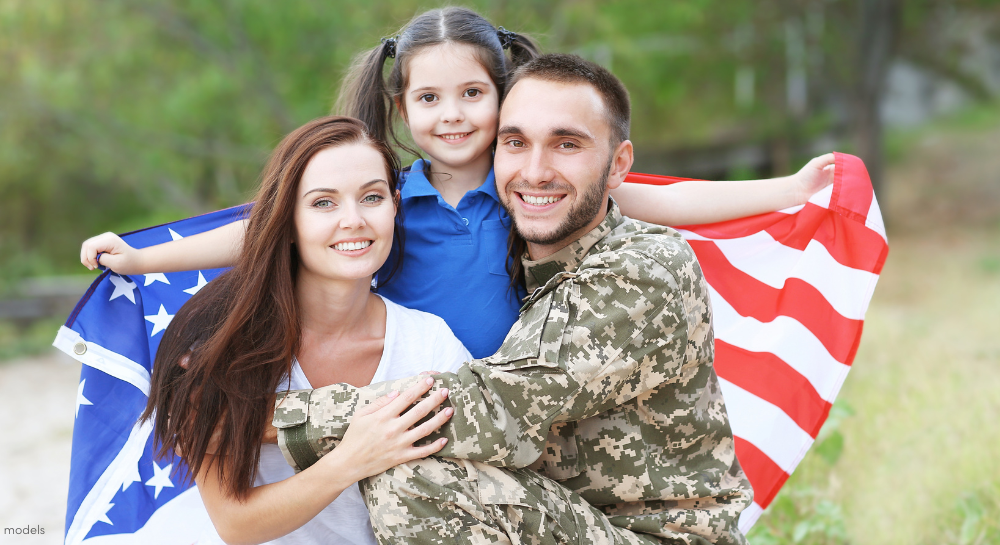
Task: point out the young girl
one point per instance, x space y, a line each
445 84
296 311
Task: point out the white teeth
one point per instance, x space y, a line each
348 246
539 200
455 136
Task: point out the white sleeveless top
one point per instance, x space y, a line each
415 341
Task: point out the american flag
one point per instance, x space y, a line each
118 491
789 291
789 294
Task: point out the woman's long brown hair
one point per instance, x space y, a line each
242 330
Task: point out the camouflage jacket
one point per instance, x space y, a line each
604 384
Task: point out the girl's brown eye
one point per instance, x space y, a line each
472 93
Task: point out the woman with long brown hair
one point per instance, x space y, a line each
296 311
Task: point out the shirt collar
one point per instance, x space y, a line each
568 259
416 183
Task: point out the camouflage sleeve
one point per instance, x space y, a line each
594 340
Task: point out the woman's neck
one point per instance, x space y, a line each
453 182
334 310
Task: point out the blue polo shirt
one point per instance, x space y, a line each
455 261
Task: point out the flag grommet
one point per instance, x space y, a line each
80 348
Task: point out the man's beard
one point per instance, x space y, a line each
581 214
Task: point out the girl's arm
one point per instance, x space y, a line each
378 438
694 203
209 250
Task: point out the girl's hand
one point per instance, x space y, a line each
115 253
817 174
382 435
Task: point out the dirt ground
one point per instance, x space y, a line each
36 423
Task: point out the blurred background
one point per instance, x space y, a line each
120 114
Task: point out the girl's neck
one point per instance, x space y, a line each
453 182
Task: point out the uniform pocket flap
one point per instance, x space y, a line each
291 409
523 341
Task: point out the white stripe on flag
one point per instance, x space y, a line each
772 263
784 337
765 426
874 219
749 516
181 521
102 359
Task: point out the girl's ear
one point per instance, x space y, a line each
402 110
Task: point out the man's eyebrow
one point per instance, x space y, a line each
508 130
366 185
575 133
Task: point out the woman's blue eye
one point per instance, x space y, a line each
372 199
323 203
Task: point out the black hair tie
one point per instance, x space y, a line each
506 37
391 43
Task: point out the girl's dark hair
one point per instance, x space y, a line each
242 330
370 97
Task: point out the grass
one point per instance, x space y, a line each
16 342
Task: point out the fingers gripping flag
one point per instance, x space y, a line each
789 294
118 492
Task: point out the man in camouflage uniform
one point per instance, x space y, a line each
600 419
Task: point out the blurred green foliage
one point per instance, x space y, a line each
124 113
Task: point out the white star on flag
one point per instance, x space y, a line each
132 477
160 320
161 479
155 277
174 235
122 287
104 515
80 400
201 284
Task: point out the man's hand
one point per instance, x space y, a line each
814 176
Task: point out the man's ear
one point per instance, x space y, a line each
621 163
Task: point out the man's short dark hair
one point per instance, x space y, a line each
562 68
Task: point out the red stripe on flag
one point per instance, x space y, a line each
768 377
765 475
655 179
798 300
852 193
850 243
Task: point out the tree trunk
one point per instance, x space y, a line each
879 24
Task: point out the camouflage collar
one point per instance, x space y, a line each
568 259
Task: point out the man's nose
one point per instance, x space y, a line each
538 168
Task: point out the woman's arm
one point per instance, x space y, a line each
209 250
694 203
378 438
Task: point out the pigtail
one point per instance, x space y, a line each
522 50
364 94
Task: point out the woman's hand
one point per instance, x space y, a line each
814 176
115 254
382 435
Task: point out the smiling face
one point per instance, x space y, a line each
450 104
344 214
554 162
